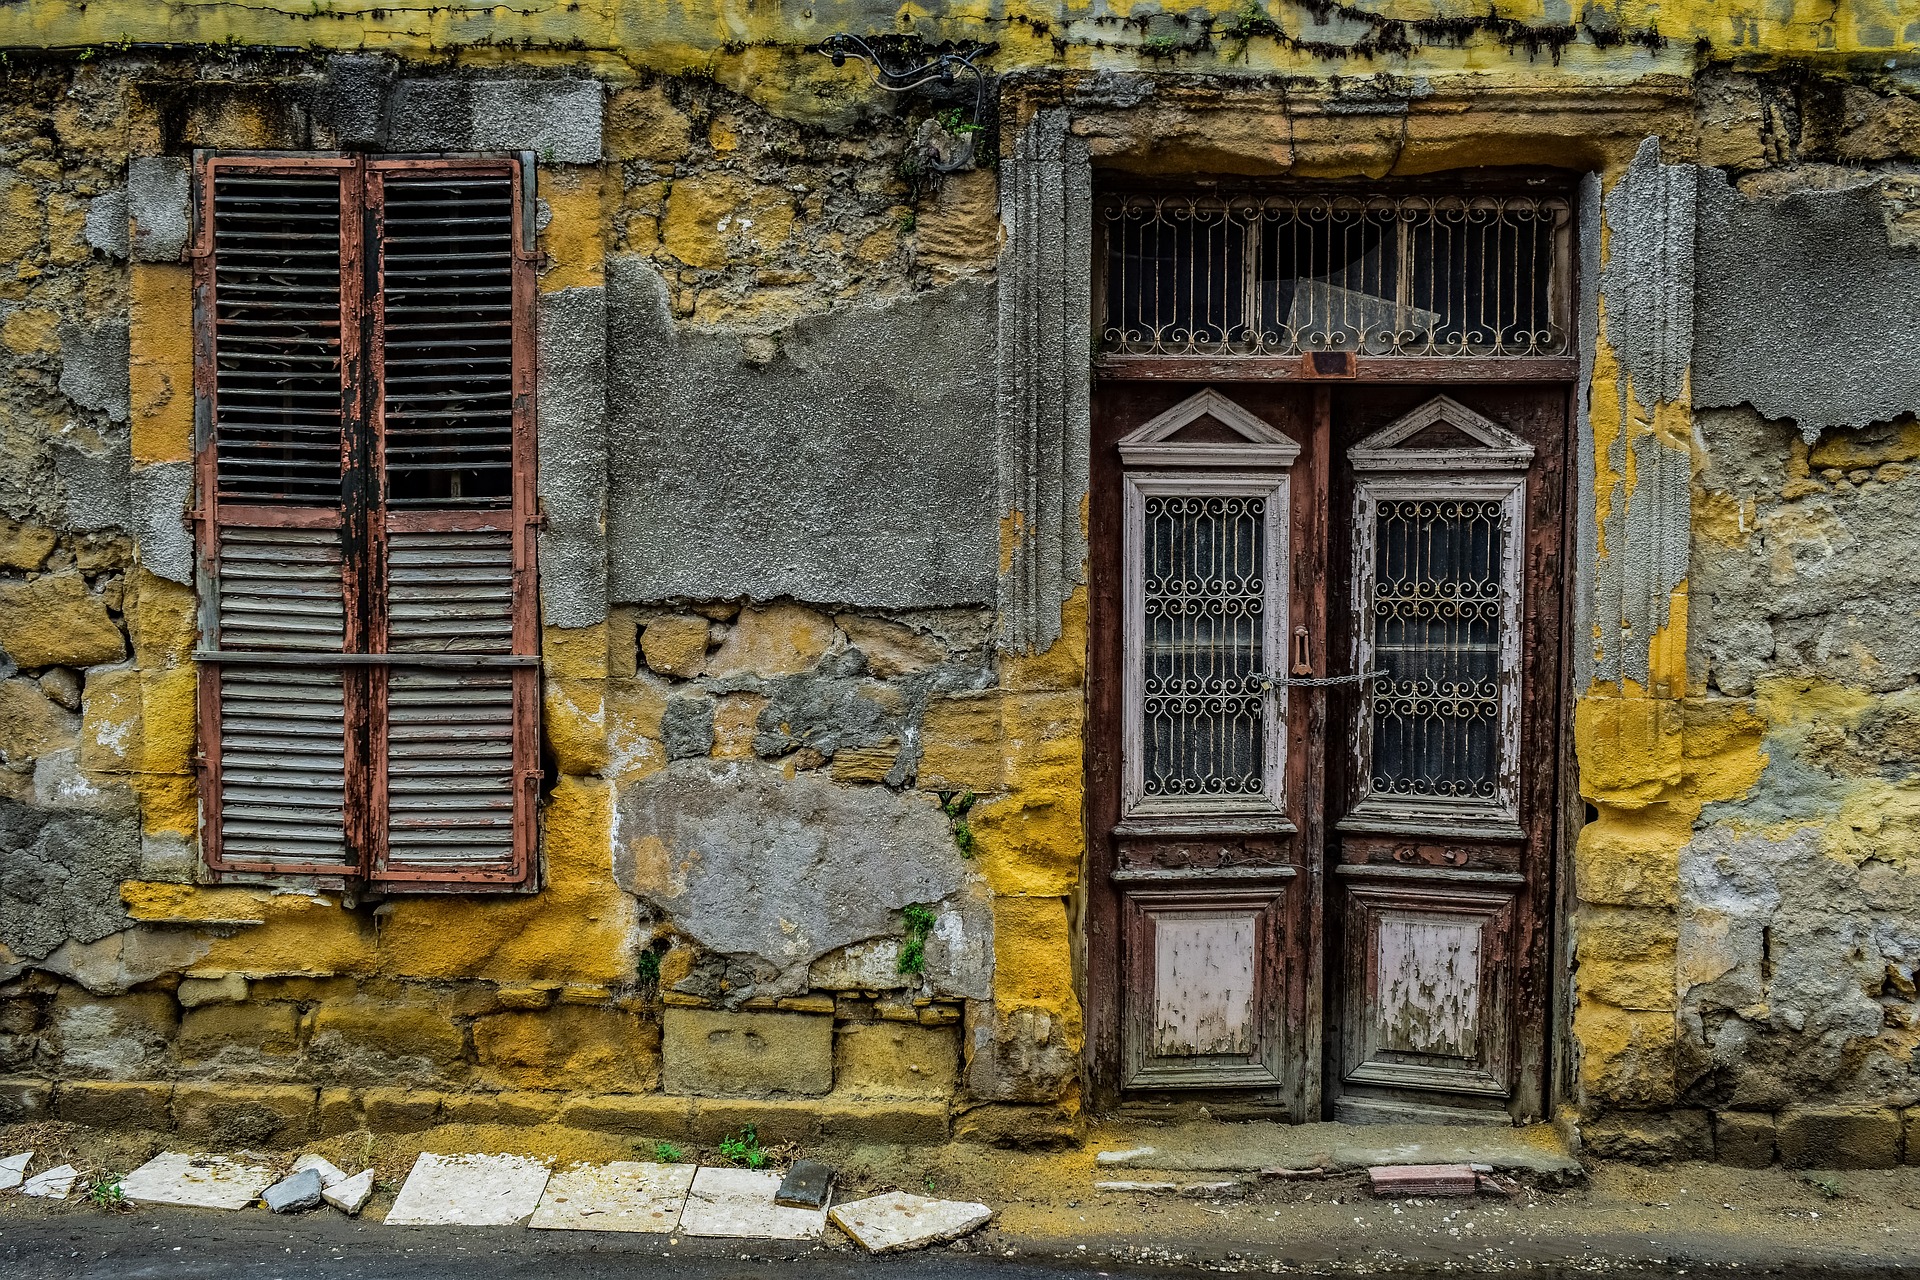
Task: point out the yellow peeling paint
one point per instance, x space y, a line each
157 903
572 246
160 369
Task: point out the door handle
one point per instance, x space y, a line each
1302 652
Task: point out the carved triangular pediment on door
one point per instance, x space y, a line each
1207 430
1442 435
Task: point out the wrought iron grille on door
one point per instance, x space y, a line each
1425 275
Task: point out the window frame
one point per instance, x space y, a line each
365 522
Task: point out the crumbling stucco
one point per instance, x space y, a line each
573 456
60 875
848 459
158 206
776 873
1806 310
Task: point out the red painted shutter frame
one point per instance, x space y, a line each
360 525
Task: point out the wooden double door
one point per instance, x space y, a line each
1325 725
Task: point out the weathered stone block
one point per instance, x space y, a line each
232 1031
227 989
774 640
1743 1139
1626 1058
712 1053
1646 1136
24 546
890 648
1003 1124
338 1112
253 1115
373 1043
650 1115
53 620
676 645
32 725
24 1099
113 1038
400 1110
896 1060
569 1047
1839 1138
518 1107
961 748
772 1121
110 1104
901 1120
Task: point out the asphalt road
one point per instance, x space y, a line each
161 1244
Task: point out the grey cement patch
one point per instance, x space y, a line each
354 97
1780 948
95 483
1587 566
158 205
1811 275
1823 585
573 457
60 875
106 228
1650 318
779 872
686 727
558 120
1649 270
855 467
93 366
161 494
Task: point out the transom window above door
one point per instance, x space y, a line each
1433 274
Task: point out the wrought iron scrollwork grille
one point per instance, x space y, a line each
1277 275
1204 701
1437 615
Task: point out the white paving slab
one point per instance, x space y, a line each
53 1184
739 1202
330 1173
13 1170
469 1191
626 1195
897 1221
350 1195
197 1181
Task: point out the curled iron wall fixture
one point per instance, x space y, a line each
940 69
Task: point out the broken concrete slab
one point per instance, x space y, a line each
13 1170
330 1173
808 1185
897 1221
295 1193
1278 1149
350 1195
196 1181
469 1191
53 1184
739 1202
626 1195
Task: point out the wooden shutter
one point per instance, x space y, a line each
368 687
276 344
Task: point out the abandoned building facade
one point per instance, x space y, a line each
934 572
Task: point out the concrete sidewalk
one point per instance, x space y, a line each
1618 1219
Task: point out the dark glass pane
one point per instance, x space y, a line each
1436 633
1204 713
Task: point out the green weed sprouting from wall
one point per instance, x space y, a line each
956 806
913 952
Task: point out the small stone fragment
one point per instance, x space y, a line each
350 1195
330 1173
62 685
53 1184
1141 1188
806 1186
295 1193
896 1222
1132 1155
13 1170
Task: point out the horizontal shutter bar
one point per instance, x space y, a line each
309 659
